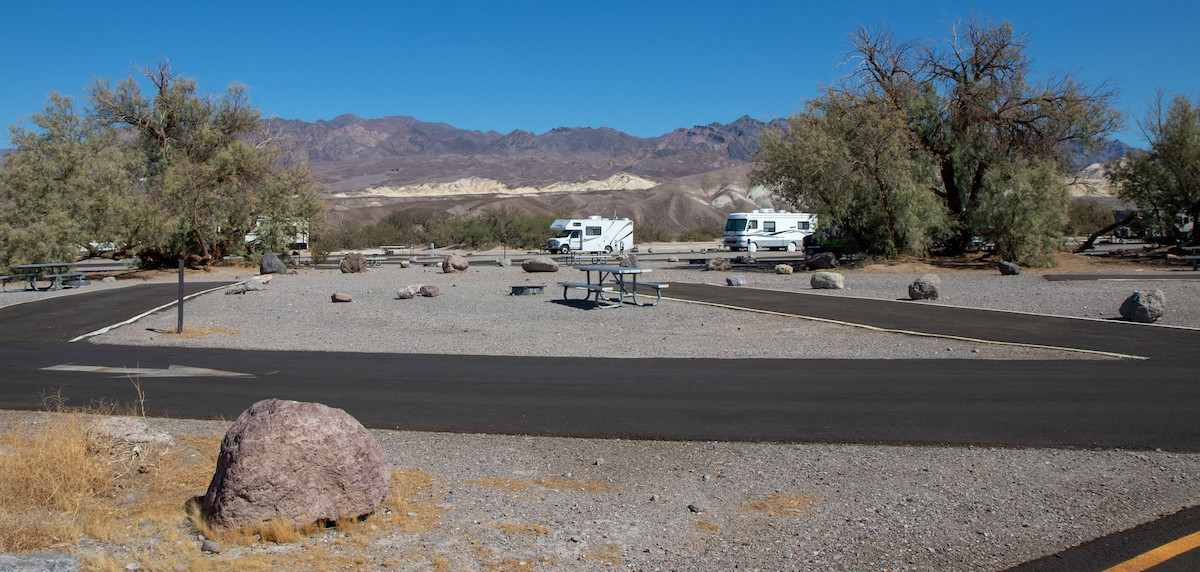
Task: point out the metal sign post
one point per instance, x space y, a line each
179 326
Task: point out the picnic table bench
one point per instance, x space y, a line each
376 261
1195 258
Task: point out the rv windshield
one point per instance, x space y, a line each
563 234
735 225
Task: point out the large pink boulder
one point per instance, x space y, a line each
296 463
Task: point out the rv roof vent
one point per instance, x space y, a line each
764 210
595 217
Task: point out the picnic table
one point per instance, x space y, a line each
58 274
624 283
1192 256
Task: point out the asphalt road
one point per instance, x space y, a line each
1131 404
1136 404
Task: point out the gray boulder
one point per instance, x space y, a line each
454 264
503 262
827 281
430 291
353 263
925 288
340 297
718 264
1008 268
736 280
1145 306
629 261
540 264
295 463
821 261
254 286
271 264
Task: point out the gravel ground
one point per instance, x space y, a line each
513 502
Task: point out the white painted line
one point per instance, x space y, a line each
170 371
105 329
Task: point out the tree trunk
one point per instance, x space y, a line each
1087 244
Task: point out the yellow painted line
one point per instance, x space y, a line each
1158 555
908 332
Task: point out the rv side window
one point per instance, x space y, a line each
574 234
802 225
593 231
735 225
753 225
768 226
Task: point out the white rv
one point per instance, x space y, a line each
766 228
591 234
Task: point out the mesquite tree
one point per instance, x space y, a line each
983 138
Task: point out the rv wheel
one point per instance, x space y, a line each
751 247
608 249
791 247
564 250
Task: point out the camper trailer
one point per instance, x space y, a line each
766 228
591 234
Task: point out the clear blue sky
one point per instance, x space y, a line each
642 67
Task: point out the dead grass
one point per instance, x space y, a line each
190 332
782 504
555 483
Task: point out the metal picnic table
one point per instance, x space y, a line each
54 272
625 279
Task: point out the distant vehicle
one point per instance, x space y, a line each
766 228
591 234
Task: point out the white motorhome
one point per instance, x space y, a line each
768 228
591 234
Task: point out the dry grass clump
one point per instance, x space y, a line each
46 482
554 483
782 504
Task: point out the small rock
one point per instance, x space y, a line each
340 297
783 269
353 263
1008 268
827 281
405 264
271 264
1144 306
540 264
718 264
503 262
695 507
109 279
738 280
210 546
254 285
672 259
925 287
599 462
454 264
408 292
629 261
430 291
236 289
821 261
